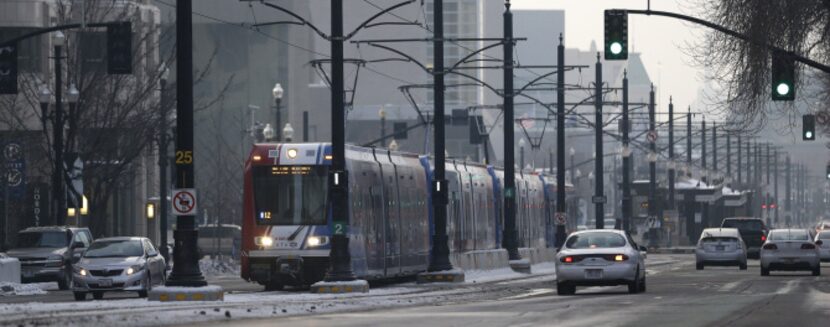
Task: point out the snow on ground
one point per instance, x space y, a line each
140 312
12 289
219 267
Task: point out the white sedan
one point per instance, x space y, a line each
600 258
790 249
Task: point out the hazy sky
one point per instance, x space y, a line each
663 41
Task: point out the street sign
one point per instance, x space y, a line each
561 218
598 199
652 136
653 222
184 202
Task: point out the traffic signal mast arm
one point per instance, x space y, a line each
804 60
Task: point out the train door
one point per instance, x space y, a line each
393 225
454 224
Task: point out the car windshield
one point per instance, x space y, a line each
55 239
788 235
290 195
114 249
592 240
744 224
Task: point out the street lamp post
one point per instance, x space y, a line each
288 133
277 92
382 115
521 154
269 133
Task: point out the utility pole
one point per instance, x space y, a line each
626 160
672 164
185 263
775 184
58 194
715 147
788 209
599 192
652 168
510 241
729 156
739 166
560 144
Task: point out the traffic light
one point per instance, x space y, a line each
783 77
8 69
616 35
120 48
808 127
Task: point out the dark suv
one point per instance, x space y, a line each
753 231
46 254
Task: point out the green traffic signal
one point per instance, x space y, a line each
808 127
783 77
616 35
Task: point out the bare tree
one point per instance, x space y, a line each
118 116
741 69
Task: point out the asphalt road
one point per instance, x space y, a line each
680 296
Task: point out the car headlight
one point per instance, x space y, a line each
264 241
313 241
133 270
54 261
82 272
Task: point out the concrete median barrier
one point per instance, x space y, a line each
9 269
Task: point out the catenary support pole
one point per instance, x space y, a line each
186 260
560 144
509 241
626 160
599 187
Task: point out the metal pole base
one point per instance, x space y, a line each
186 271
520 266
440 259
340 269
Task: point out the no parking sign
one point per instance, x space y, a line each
184 202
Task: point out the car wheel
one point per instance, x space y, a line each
565 289
742 266
699 266
643 285
79 296
817 271
634 287
764 271
148 285
66 280
97 295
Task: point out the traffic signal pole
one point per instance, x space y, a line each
599 192
626 160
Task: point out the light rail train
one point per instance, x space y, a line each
286 227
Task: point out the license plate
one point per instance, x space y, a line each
720 248
105 283
593 273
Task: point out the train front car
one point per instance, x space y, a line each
285 227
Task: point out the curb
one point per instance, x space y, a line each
179 294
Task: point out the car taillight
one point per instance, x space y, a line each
620 257
770 247
808 246
568 259
763 238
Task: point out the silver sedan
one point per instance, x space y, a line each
600 258
118 264
790 249
823 242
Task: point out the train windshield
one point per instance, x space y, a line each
290 195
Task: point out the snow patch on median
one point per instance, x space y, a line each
13 289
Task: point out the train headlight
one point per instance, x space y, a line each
264 241
292 153
317 241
